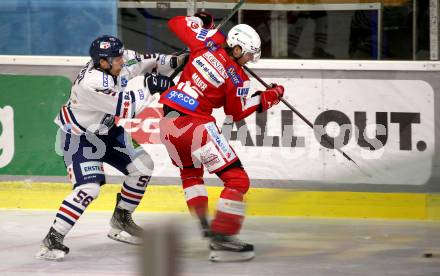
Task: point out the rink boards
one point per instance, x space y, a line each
260 201
384 116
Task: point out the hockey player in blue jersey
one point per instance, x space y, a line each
116 82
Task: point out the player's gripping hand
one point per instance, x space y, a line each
271 97
157 83
179 59
182 58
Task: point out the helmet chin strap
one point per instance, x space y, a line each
110 62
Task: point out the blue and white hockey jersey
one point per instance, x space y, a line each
97 97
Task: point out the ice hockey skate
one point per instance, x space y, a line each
230 249
52 248
204 228
123 228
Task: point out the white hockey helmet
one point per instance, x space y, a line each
247 38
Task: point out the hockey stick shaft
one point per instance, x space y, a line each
253 74
219 25
230 14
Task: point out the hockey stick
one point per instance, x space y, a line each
230 14
219 25
304 119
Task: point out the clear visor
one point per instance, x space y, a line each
252 57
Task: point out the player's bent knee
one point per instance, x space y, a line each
235 178
142 164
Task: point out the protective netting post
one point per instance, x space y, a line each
160 250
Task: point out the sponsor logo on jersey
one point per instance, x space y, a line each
242 91
216 63
124 81
91 167
141 94
193 25
210 156
222 56
207 71
124 103
104 80
199 82
209 159
183 99
131 62
202 34
211 45
163 59
220 141
104 45
232 73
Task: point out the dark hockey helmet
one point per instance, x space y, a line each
105 47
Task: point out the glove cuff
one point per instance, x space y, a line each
207 19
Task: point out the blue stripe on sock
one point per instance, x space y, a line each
129 201
65 219
68 204
133 189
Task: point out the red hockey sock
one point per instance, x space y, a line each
195 191
230 207
230 213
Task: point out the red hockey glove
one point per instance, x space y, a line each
207 19
271 97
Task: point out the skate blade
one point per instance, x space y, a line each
228 256
50 255
122 236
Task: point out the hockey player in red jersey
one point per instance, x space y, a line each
213 78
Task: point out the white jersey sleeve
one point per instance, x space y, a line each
166 64
139 64
98 92
96 97
94 101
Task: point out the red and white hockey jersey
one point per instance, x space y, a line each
211 79
97 97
